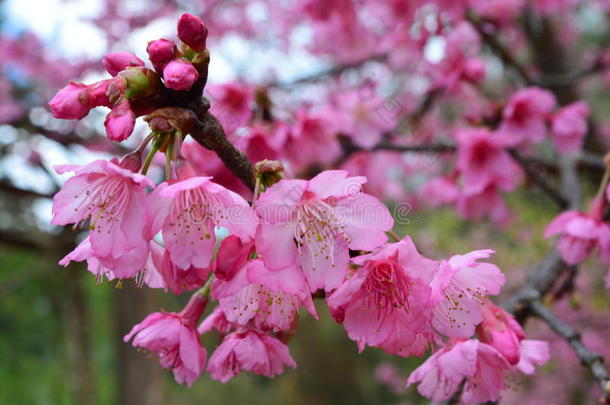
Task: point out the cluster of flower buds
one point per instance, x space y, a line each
134 89
262 261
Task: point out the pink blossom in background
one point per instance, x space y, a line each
487 203
174 339
580 233
570 127
231 104
252 351
383 171
484 162
525 115
366 118
324 216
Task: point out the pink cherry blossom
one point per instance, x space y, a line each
580 233
366 118
483 161
231 104
188 210
570 127
180 74
458 289
524 117
247 291
479 364
533 353
325 216
192 32
174 339
488 203
313 138
174 279
501 331
120 122
114 62
386 302
216 321
112 198
251 351
137 264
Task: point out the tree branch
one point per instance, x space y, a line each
590 360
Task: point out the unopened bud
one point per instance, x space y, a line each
139 80
192 32
120 121
115 62
180 74
268 172
161 52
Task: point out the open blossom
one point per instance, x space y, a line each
314 223
524 117
174 279
251 351
188 210
570 127
479 364
114 62
386 302
174 339
458 289
580 233
136 263
247 291
111 198
483 161
501 331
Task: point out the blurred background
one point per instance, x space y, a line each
61 333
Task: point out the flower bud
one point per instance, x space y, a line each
115 62
180 74
161 52
72 102
120 121
192 32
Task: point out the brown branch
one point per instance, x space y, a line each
590 360
210 134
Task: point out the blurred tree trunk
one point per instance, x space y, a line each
80 375
140 378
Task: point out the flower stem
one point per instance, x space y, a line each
149 157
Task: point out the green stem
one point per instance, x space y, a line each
168 160
205 290
149 157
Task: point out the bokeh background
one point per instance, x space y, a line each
61 333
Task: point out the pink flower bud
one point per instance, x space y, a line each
161 52
120 122
474 70
114 62
180 74
72 102
192 32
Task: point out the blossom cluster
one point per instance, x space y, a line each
261 256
